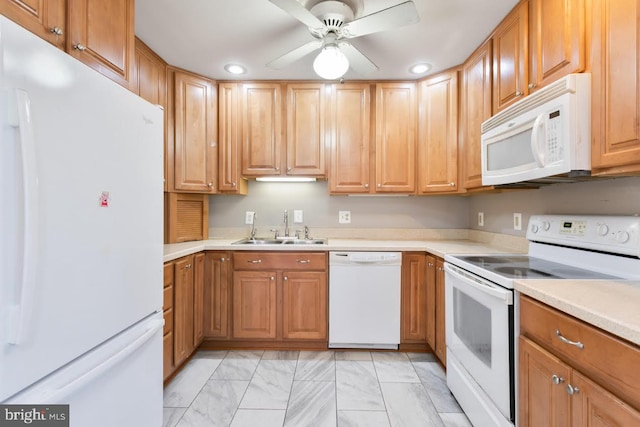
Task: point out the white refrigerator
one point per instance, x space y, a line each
81 234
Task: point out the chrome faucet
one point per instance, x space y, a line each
253 227
286 223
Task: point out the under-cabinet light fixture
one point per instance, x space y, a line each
285 179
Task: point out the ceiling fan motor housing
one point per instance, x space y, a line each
334 14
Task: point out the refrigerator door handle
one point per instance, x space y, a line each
20 311
60 395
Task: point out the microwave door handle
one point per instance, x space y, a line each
538 133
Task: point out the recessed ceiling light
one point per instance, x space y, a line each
420 68
235 69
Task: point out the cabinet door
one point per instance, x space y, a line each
615 93
261 129
441 342
556 40
414 299
229 180
101 34
476 87
511 58
430 281
44 18
350 129
183 309
304 307
195 130
396 137
592 405
167 304
438 134
216 295
254 304
542 381
306 129
198 299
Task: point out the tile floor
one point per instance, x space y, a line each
311 388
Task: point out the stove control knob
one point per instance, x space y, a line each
622 237
603 229
546 225
534 228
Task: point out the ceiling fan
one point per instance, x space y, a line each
332 22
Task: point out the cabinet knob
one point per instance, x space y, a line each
532 85
452 184
572 390
518 93
221 259
56 30
366 186
379 185
286 278
556 379
233 184
210 185
288 169
429 264
277 169
80 47
273 278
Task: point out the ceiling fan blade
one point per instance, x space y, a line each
297 53
357 60
386 19
298 11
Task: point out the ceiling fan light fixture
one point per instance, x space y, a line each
331 64
235 69
420 68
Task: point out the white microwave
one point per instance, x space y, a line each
545 137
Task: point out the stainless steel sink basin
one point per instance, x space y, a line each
260 241
306 242
257 242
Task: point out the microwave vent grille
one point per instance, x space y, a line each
548 93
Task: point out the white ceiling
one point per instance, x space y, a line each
204 35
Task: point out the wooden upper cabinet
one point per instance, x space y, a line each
229 179
195 133
261 129
476 108
45 18
101 34
438 134
615 86
306 129
556 40
511 58
350 136
396 121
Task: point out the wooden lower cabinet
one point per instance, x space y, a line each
198 299
217 283
413 308
430 283
560 384
304 305
254 304
167 307
441 344
183 312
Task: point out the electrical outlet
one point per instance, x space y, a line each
481 219
297 216
517 221
344 217
248 217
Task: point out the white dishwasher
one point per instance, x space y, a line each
364 299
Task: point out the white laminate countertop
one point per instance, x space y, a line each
437 247
608 304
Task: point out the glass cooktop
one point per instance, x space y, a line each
525 267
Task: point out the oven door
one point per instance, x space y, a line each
479 332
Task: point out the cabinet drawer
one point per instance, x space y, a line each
279 260
167 302
610 361
168 321
168 274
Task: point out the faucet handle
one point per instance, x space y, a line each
306 232
275 232
298 233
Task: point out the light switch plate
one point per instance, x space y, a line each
297 216
517 221
344 217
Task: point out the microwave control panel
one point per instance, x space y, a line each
554 147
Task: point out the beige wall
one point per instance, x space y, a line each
619 196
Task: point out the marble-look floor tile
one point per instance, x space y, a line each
422 357
187 384
280 355
258 417
357 386
408 405
312 404
394 367
171 416
238 365
353 355
363 419
215 405
434 380
455 420
270 386
316 366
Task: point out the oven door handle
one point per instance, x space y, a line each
481 285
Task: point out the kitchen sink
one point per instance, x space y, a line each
306 242
259 241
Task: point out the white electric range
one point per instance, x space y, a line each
482 311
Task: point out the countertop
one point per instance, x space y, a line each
435 247
608 304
